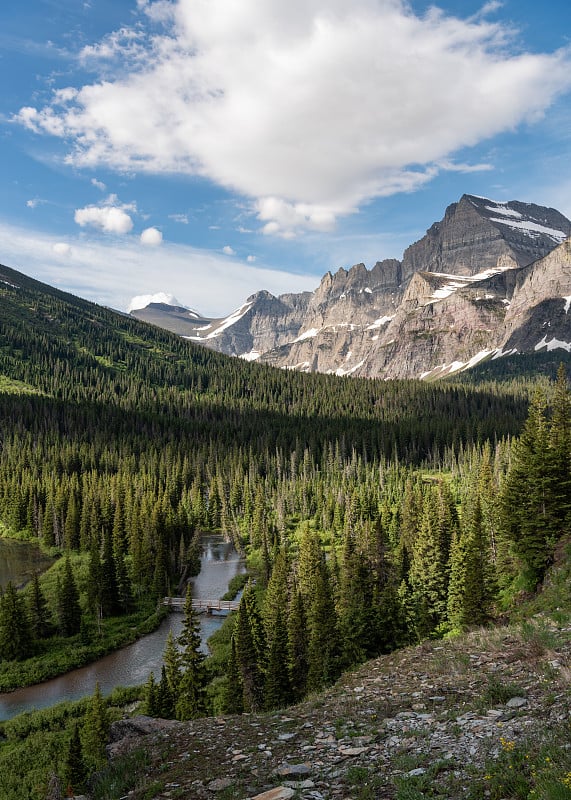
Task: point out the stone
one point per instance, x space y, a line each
516 702
415 772
279 793
293 770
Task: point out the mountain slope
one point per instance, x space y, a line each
445 306
452 719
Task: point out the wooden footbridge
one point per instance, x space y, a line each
202 606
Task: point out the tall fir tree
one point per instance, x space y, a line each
69 609
191 696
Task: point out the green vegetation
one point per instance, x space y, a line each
374 514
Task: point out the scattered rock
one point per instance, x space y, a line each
516 702
279 793
219 784
293 770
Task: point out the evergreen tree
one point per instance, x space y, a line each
69 610
297 645
40 619
233 694
469 593
277 687
95 730
150 697
75 769
191 695
172 664
532 509
15 634
165 697
248 660
323 649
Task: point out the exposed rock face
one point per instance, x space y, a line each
487 279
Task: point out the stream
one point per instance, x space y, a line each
132 665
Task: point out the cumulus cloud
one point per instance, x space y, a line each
109 219
228 251
98 184
152 237
143 300
308 108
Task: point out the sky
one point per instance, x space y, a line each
208 149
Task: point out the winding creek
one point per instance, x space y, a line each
131 665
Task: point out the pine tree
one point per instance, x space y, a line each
469 593
15 635
172 664
323 650
165 697
75 769
95 730
233 694
277 687
248 662
40 619
531 513
69 610
191 695
150 697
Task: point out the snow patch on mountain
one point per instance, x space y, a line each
553 344
532 229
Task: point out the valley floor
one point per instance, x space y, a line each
483 716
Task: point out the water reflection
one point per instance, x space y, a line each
19 561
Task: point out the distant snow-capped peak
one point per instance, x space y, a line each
144 300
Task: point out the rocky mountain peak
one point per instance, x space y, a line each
478 280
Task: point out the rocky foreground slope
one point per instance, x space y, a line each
481 716
481 283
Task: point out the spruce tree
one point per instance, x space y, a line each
323 650
40 619
277 687
191 696
233 694
69 610
15 635
248 660
172 665
75 770
95 730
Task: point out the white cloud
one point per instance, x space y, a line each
98 184
62 249
110 272
35 202
228 251
152 237
251 259
329 103
108 219
143 300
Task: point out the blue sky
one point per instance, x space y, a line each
211 148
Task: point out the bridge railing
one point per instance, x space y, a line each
202 605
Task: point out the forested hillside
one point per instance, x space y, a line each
374 513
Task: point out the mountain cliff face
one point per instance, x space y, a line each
489 279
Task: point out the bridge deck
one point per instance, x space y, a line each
208 606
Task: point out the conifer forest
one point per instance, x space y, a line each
373 514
